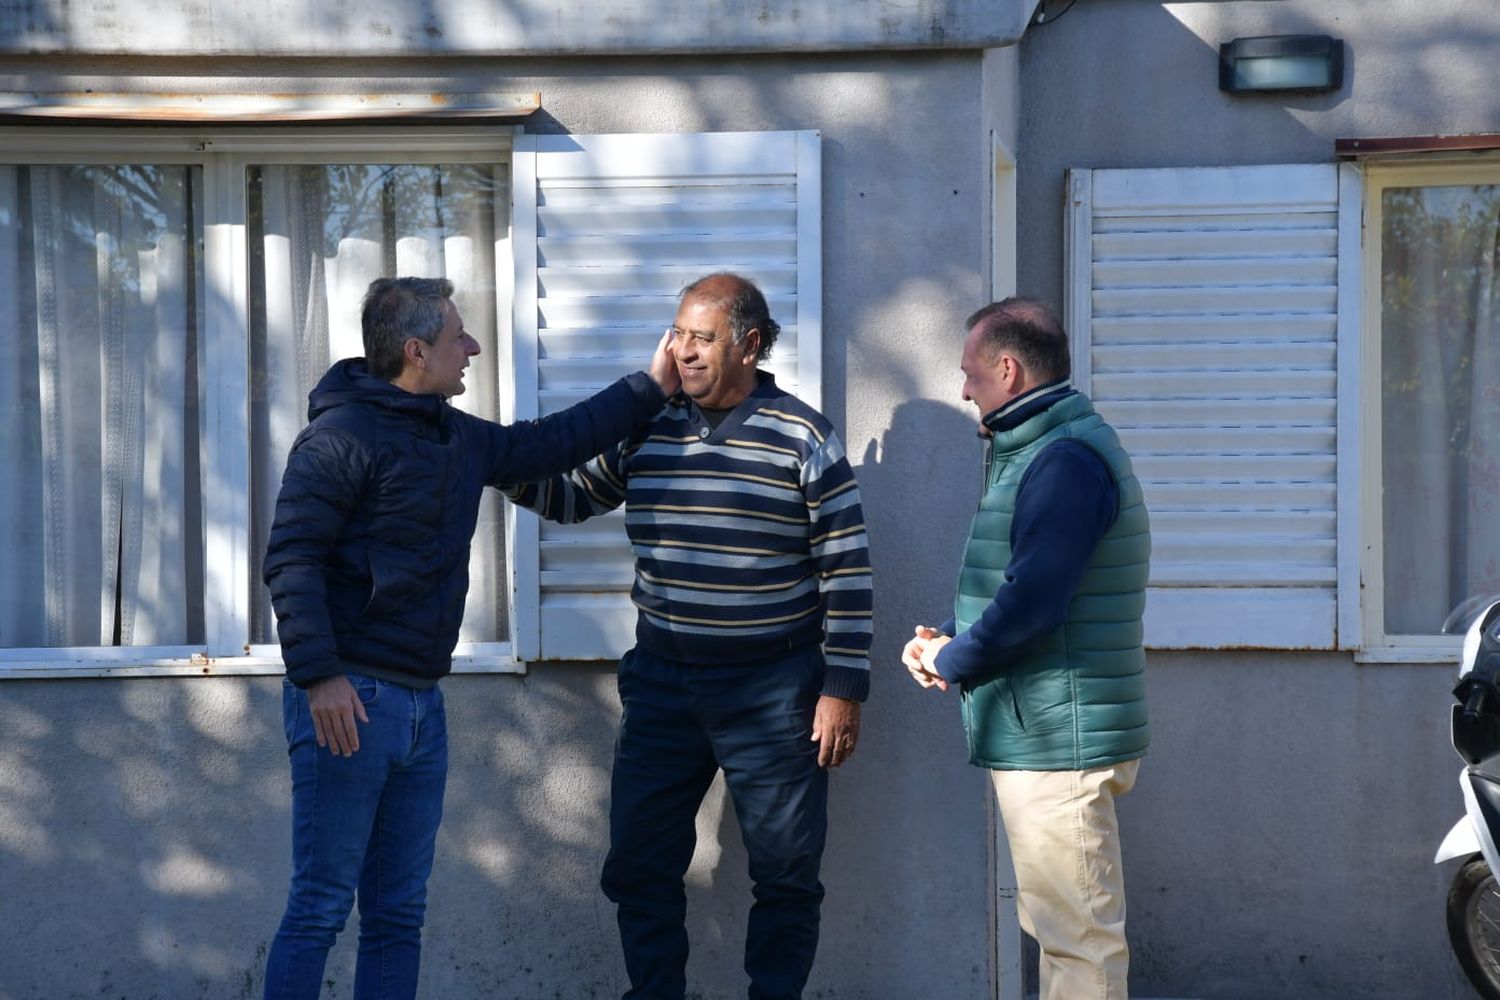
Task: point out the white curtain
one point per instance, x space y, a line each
319 236
100 507
1440 360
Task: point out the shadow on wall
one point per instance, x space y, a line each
1155 103
143 826
516 909
144 823
145 847
1409 70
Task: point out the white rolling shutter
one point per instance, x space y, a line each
1209 328
608 229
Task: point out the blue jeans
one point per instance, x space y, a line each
362 826
681 724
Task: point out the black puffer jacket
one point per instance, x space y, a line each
368 560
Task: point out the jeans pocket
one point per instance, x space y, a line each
367 689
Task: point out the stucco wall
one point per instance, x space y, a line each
502 27
144 823
1279 843
1134 83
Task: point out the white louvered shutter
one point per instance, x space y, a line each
1209 328
607 230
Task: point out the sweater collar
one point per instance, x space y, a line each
765 388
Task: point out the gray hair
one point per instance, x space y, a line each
1027 329
396 310
744 303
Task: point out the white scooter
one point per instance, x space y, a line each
1474 898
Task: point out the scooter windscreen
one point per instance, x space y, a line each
1462 617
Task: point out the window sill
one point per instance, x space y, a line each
263 662
1446 655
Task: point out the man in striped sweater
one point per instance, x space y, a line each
752 581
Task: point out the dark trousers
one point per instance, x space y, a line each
681 724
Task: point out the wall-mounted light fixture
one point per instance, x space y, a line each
1270 63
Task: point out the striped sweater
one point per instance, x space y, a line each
749 538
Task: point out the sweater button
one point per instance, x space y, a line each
703 433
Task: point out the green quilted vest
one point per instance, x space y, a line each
1077 698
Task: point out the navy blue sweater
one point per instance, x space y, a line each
749 536
1066 501
368 559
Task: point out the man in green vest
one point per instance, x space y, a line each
1045 642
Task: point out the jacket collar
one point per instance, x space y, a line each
350 381
1025 406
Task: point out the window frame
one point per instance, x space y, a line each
1378 646
224 156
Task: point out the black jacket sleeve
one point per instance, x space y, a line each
326 475
529 450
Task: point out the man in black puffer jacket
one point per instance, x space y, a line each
368 568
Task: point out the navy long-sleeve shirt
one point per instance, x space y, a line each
1066 501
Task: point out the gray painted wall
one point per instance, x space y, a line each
144 823
1279 842
1134 83
503 27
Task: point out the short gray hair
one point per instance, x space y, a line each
394 311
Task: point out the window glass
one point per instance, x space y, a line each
318 235
1440 406
101 295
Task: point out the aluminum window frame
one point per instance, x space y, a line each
1379 646
224 156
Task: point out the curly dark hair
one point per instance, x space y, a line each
743 302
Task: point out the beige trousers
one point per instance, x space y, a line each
1065 843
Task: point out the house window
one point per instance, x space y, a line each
101 292
318 234
1304 360
169 299
1433 392
179 292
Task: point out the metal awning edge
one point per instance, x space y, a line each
263 108
1397 145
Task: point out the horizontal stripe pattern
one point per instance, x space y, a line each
749 539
